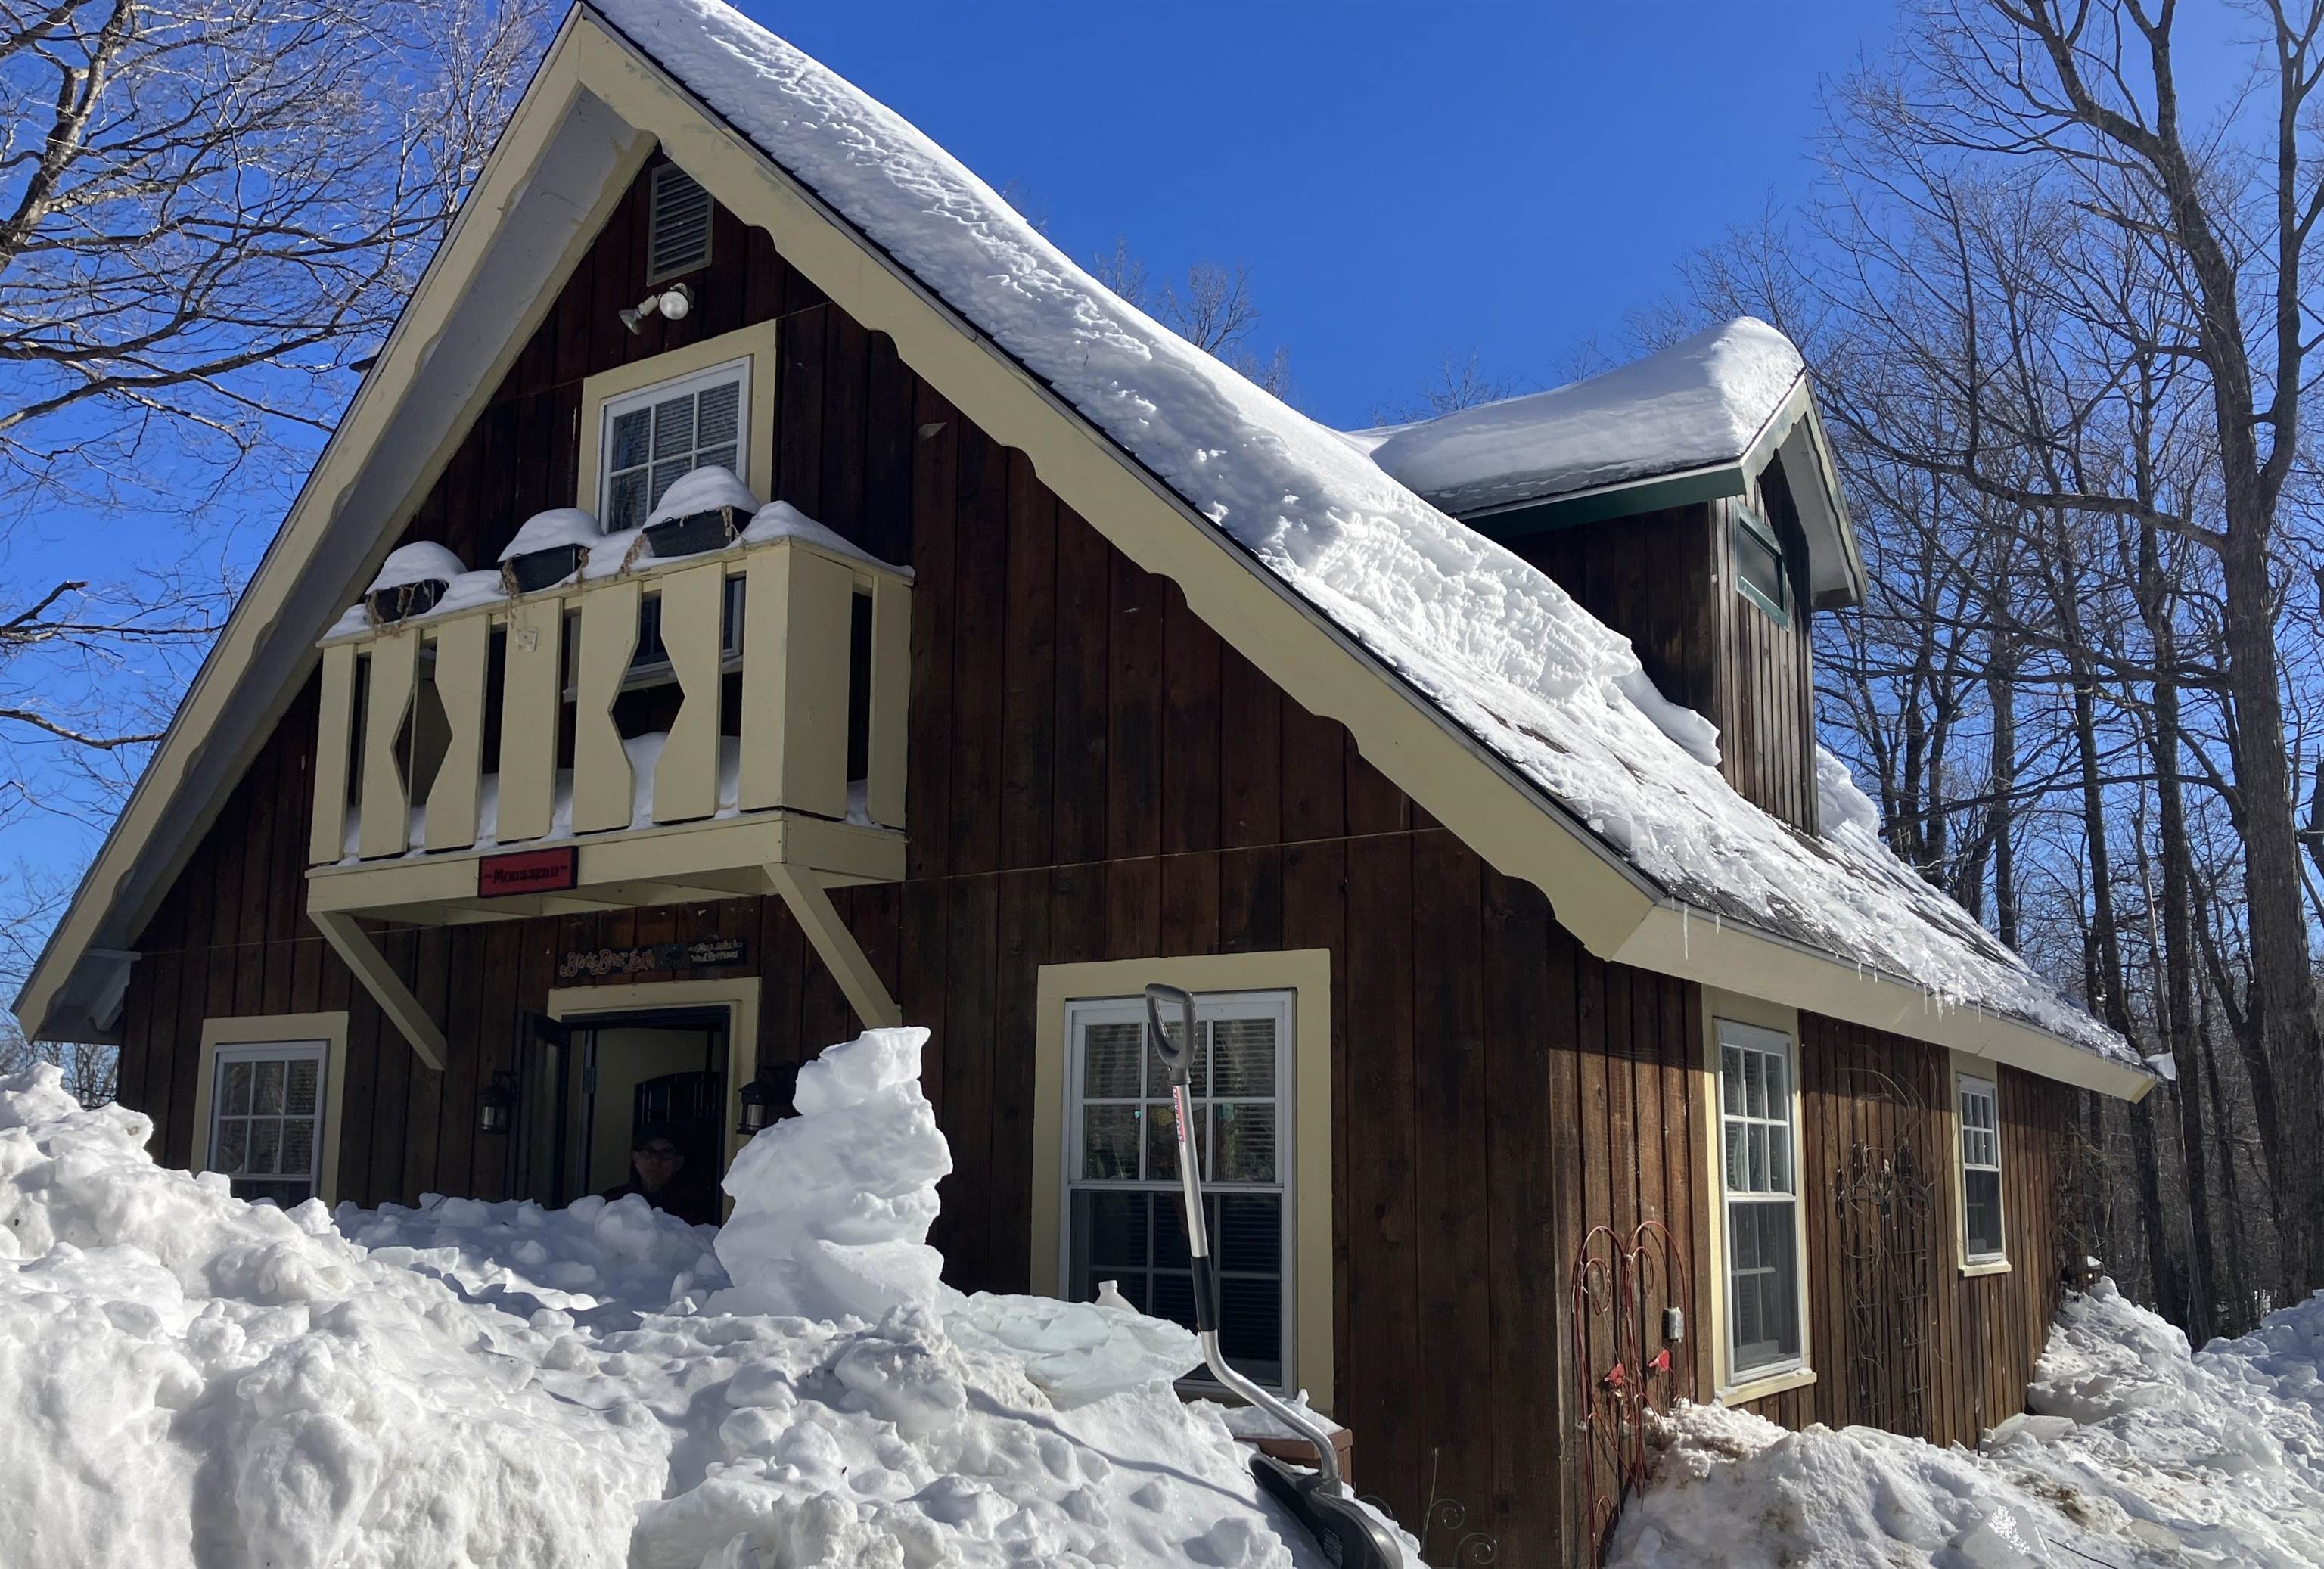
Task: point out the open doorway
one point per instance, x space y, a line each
602 1085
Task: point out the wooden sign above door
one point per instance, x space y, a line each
599 962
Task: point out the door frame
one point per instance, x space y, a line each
738 994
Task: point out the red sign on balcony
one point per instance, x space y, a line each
528 872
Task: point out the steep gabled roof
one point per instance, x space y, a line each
1466 675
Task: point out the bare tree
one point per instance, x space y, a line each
1457 385
208 210
1212 309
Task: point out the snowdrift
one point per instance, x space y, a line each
186 1379
2134 1453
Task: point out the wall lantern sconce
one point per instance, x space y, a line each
767 1100
496 1105
670 304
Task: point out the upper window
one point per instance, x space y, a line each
678 232
266 1119
1759 564
1762 1199
649 438
1980 1158
1123 1216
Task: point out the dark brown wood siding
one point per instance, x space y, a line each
1093 775
1666 580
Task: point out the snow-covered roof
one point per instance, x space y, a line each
1697 403
1490 639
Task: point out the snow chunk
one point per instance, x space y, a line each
556 526
1696 736
782 520
1076 1352
421 561
703 490
1698 402
1487 637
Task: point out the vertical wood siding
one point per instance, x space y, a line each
1094 774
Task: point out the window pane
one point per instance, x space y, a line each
1198 1072
1247 1233
665 475
724 456
1169 1231
298 1153
1779 1094
1758 1147
1754 1085
1110 1143
1245 1141
1110 1228
673 426
237 1090
284 1194
1730 1073
1244 1056
626 507
299 1098
1779 1158
1173 1298
629 443
1982 1211
1110 1054
717 417
1162 1141
1251 1327
233 1145
267 1092
265 1141
1735 1156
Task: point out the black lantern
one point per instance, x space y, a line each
767 1100
496 1105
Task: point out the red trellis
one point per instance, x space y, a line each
1615 1280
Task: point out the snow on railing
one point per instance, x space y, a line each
820 639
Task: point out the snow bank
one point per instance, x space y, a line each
545 531
2136 1454
1487 637
703 490
189 1379
1695 403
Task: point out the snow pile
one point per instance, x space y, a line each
703 490
421 561
625 1254
186 1379
1695 403
782 520
1487 637
2137 1453
545 531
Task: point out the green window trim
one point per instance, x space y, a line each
1747 521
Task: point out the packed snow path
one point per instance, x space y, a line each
189 1379
2136 1454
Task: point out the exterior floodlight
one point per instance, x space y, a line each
496 1104
671 305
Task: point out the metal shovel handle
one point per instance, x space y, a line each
1179 1056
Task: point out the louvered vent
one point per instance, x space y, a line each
679 235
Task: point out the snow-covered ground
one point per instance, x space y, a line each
186 1379
2137 1453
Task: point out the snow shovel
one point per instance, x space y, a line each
1349 1536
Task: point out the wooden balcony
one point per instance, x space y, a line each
713 725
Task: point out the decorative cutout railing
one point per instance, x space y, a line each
408 723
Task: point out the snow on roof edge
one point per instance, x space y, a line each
1491 642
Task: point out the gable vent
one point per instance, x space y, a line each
679 232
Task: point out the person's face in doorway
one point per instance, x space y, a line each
657 1162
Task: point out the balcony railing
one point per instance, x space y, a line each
763 677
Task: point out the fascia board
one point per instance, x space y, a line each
1737 958
386 391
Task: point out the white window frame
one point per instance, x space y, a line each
1987 1157
1282 1006
738 369
317 1052
324 1034
1740 1035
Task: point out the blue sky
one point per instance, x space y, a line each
1404 180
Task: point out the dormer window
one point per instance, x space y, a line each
1759 564
658 433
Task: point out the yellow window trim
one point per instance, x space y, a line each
1735 1008
278 1029
756 343
1985 1072
739 994
1306 974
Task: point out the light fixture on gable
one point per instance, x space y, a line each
670 304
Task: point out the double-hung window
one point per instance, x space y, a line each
1124 1215
649 437
1762 1200
1980 1159
266 1119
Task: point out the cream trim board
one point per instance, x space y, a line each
739 994
1984 1073
755 345
1306 974
278 1029
1761 1014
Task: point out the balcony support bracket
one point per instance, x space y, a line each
361 955
837 946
